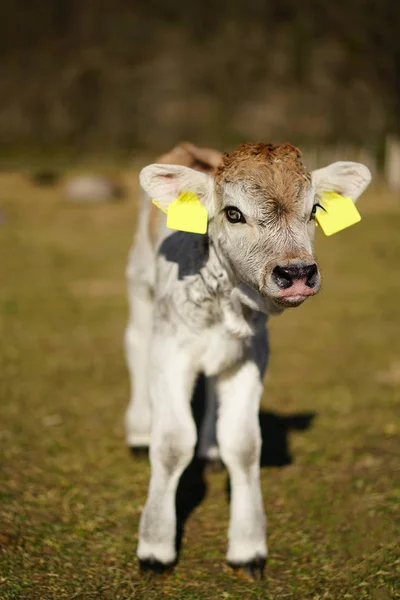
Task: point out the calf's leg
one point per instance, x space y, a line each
173 438
208 445
238 430
137 345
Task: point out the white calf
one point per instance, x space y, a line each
199 303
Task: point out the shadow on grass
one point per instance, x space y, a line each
275 452
275 430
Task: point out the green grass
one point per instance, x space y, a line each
71 494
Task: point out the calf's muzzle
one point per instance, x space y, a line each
286 276
297 280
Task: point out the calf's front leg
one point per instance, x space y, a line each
173 438
239 438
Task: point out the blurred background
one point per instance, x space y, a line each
116 77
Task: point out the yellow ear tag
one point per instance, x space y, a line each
340 212
186 213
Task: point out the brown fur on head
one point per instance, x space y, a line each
274 171
263 153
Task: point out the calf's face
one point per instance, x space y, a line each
264 221
261 207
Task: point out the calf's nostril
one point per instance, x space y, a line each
311 275
282 277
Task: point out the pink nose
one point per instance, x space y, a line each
296 280
299 288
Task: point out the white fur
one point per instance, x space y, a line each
346 178
173 437
239 440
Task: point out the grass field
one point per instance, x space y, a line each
71 494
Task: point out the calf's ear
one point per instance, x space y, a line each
164 183
345 178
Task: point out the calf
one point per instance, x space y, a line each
199 304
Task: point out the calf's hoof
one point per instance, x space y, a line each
254 568
139 452
137 439
152 565
157 557
138 443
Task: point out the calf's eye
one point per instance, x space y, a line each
314 210
234 215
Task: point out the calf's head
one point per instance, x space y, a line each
261 208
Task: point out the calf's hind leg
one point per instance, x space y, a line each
208 445
137 346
